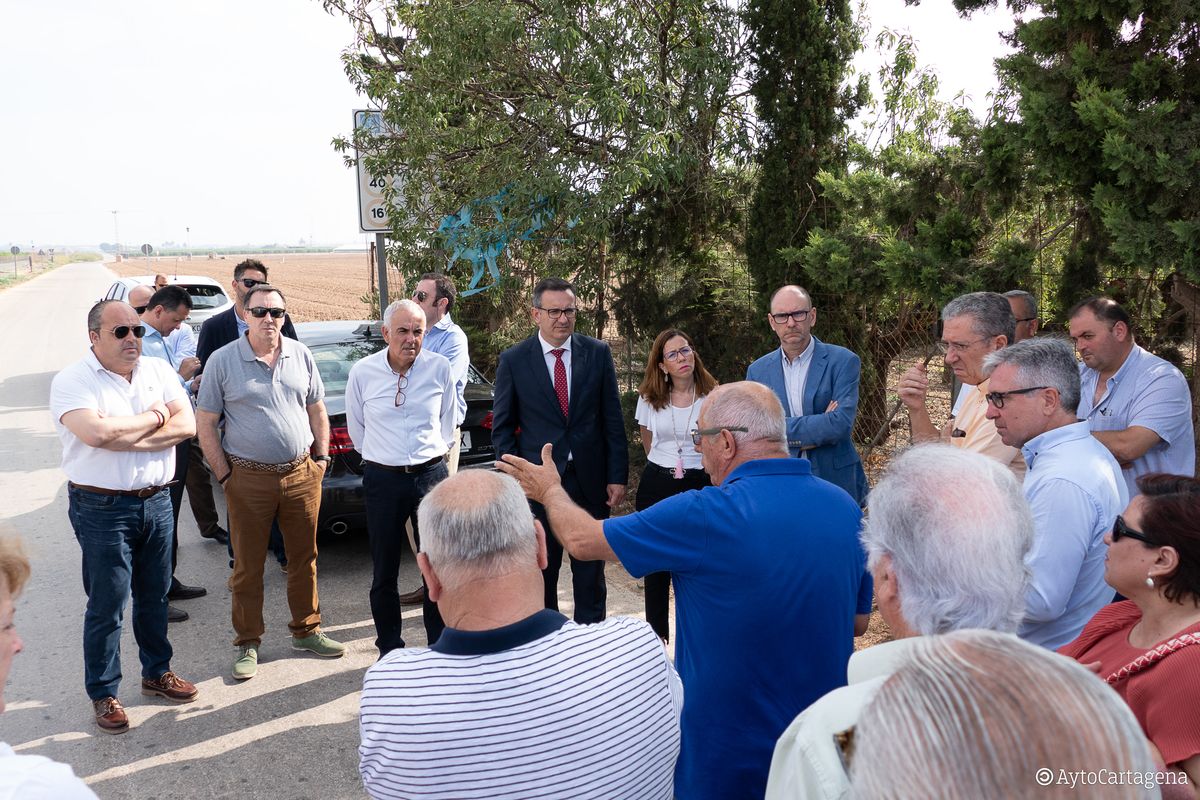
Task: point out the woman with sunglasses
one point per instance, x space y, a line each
1148 646
669 401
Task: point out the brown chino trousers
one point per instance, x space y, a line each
255 499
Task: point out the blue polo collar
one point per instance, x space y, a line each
454 642
770 466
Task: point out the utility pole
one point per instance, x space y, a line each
117 233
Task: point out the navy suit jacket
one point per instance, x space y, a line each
221 329
526 415
832 375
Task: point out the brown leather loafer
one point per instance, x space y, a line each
110 716
170 686
413 598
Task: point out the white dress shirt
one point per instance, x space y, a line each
401 436
551 358
795 377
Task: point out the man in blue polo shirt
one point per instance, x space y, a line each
771 584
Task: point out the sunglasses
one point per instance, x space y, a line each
420 297
1120 530
250 283
140 309
258 312
121 331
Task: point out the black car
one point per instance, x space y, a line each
336 347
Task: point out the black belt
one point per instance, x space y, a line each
669 470
149 491
412 468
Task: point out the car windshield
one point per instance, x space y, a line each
335 360
204 296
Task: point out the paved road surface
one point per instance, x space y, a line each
291 732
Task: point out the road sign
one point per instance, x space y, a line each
372 209
147 249
14 250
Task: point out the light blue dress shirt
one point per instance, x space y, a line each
1150 393
448 339
1075 490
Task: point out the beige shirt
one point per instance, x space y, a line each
972 430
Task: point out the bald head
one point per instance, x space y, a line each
140 295
740 422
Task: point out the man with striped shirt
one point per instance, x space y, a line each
514 699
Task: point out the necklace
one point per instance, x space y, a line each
677 474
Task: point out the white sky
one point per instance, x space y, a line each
217 116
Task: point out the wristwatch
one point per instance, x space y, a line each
323 458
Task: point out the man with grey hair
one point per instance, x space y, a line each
1025 309
982 714
936 569
1074 485
401 411
270 457
514 699
974 325
770 583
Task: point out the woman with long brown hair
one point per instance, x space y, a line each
668 408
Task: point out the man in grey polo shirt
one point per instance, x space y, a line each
275 445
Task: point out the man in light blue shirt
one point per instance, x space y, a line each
435 294
1136 404
1074 485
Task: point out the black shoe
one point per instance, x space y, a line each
217 534
181 591
176 615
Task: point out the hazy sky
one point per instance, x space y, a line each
217 116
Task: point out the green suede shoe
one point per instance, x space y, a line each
246 665
320 644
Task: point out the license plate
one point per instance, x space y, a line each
465 444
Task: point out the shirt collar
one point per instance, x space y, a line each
96 366
454 642
547 347
769 466
445 323
1053 438
1134 355
804 357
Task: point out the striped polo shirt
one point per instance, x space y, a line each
542 708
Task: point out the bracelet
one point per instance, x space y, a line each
162 419
228 475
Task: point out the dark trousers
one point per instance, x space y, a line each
199 491
392 499
183 455
587 577
658 483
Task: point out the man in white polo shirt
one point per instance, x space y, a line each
119 417
514 699
401 409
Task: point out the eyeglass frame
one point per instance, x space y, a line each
250 283
128 329
998 399
420 296
555 313
401 385
698 434
1121 530
958 347
795 316
682 352
258 312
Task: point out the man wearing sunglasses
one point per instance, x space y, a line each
817 383
119 417
270 457
1074 485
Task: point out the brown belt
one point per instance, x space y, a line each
255 466
149 491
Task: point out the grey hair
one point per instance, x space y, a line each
957 529
476 524
96 312
1031 305
1042 361
750 405
396 305
990 313
981 714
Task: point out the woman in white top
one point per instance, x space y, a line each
668 408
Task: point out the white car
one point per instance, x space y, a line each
208 296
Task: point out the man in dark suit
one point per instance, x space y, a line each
559 386
818 386
216 332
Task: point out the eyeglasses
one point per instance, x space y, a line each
401 385
1121 530
140 309
700 433
675 355
420 297
555 313
250 283
121 331
798 316
1026 319
258 312
959 347
998 398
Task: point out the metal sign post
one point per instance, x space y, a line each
14 250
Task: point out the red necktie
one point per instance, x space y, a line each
560 379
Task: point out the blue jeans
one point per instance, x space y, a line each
126 544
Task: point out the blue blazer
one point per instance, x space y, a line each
221 329
526 415
832 375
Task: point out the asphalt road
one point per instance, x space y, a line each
290 732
